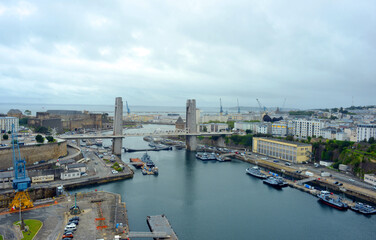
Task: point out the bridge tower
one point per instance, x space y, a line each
191 125
117 143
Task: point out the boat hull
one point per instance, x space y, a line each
332 205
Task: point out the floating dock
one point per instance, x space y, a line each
160 224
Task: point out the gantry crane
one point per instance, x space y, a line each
21 182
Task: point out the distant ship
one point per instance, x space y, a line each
276 182
325 197
148 167
363 208
256 172
205 156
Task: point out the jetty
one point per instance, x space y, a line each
160 224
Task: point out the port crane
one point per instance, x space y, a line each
128 110
220 109
238 106
21 182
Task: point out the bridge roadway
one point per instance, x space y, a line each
154 134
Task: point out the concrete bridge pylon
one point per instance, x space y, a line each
117 143
191 125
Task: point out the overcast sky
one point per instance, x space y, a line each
313 53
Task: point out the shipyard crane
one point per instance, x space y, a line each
128 110
261 108
21 182
220 109
238 106
284 102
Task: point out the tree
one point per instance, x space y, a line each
50 138
41 130
9 132
290 138
248 131
27 112
39 138
309 139
5 137
371 140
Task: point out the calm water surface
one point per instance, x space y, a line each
214 200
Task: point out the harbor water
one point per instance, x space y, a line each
217 200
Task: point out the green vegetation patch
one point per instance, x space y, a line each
117 167
33 225
1 237
300 113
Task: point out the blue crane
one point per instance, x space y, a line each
21 182
128 110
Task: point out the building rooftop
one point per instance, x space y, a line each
76 165
285 141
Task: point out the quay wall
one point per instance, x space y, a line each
34 153
349 193
49 192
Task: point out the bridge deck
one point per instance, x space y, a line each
154 134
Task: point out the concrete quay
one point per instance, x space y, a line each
349 190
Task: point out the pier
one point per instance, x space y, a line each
160 223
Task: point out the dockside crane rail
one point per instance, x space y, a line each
21 182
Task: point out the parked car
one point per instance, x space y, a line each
351 180
73 221
67 236
275 161
288 164
70 228
74 218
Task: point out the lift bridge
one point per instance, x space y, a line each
21 181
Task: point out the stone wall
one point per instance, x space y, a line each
34 153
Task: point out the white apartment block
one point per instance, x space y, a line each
308 128
247 126
6 123
280 129
365 131
264 129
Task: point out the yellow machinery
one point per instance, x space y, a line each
21 182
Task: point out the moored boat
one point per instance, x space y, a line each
137 163
325 197
275 181
256 172
363 208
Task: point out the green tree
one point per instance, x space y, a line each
50 138
371 140
23 121
5 137
27 112
41 130
248 131
39 138
9 132
290 138
309 139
